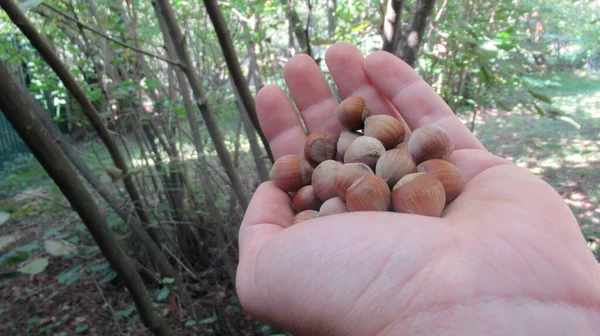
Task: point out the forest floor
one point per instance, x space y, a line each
64 300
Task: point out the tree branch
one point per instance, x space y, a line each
123 44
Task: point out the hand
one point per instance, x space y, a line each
506 258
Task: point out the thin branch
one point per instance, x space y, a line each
123 44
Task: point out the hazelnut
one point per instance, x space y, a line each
420 194
430 142
305 215
364 149
352 112
305 199
344 140
368 193
318 147
347 174
393 165
385 128
333 206
323 179
291 172
447 173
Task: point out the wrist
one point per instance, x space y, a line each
502 316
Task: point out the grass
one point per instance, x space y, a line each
564 151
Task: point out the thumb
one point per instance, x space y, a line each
269 212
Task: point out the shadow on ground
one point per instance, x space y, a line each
564 151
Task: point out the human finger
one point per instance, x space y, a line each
280 122
346 64
311 94
416 101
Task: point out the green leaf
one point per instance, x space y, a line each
29 4
163 294
82 328
109 277
190 323
35 267
4 216
209 320
64 277
168 280
540 96
539 109
10 275
99 267
28 247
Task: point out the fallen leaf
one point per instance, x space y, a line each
35 267
59 247
4 216
7 240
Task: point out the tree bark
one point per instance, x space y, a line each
20 114
296 26
411 41
392 26
331 19
235 71
46 51
164 8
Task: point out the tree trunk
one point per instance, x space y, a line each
392 26
164 9
411 41
331 19
20 114
46 51
235 71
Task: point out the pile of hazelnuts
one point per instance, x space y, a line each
371 166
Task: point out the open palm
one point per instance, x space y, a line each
507 257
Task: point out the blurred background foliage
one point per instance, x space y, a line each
524 76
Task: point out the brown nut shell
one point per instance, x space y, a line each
291 172
323 179
304 216
393 165
352 112
333 206
430 142
305 199
344 140
447 173
420 194
366 150
319 147
347 174
387 129
368 193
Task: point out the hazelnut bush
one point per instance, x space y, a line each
371 166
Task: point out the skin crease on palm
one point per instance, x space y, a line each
506 258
